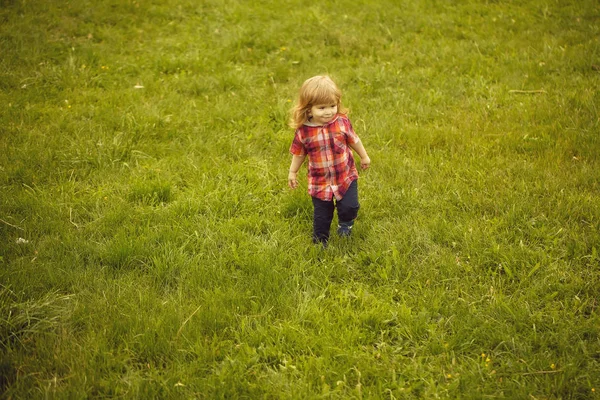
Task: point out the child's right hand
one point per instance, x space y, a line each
293 180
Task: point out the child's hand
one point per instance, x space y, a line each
293 180
365 162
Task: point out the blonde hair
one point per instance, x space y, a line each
316 90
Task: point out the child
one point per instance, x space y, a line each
325 135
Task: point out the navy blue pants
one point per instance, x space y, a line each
347 209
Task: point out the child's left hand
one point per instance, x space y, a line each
365 162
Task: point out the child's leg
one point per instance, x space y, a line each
322 217
347 209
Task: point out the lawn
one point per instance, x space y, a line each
150 246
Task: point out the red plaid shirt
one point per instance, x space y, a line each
331 167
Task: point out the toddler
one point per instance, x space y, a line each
324 134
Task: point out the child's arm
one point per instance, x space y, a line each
293 173
365 161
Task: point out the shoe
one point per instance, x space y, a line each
322 242
345 229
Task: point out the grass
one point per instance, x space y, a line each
149 246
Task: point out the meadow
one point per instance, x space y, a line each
150 246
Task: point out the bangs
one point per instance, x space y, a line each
324 95
320 90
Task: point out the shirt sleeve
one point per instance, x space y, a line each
352 137
297 148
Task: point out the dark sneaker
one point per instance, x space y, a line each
345 229
322 242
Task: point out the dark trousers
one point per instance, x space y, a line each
347 209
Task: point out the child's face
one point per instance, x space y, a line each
323 113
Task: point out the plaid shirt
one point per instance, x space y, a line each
331 167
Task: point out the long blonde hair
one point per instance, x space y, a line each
319 89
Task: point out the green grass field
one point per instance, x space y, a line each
150 247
